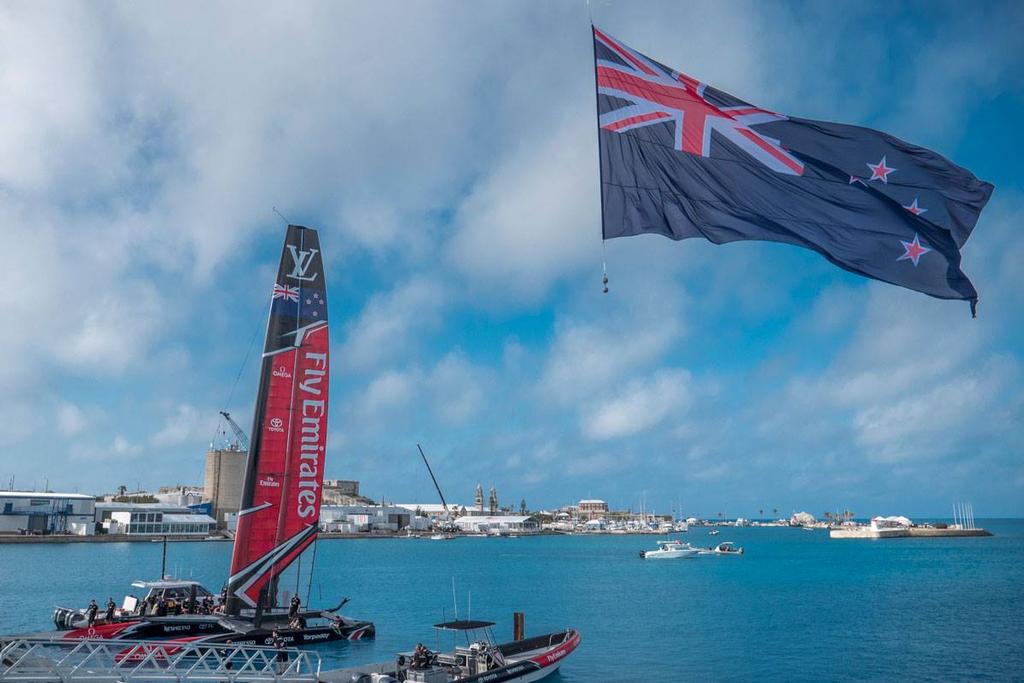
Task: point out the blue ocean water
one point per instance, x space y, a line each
795 607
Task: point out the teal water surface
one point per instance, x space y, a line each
796 606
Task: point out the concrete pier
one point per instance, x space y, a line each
909 532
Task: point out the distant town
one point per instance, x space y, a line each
210 512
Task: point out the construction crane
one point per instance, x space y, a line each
243 440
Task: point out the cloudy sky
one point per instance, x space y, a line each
447 153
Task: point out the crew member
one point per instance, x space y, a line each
282 654
109 614
90 613
293 609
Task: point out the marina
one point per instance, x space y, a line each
733 605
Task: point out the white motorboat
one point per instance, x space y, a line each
442 537
713 532
670 550
727 548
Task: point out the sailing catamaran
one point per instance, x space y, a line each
280 508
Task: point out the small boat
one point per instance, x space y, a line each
479 660
670 550
442 537
713 532
727 548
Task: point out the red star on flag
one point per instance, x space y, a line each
880 171
914 208
913 250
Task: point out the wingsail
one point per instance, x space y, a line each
280 508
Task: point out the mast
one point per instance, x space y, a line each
280 510
434 479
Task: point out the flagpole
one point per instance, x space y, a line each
600 168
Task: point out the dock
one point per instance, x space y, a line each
905 532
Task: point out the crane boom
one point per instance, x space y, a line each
243 440
434 479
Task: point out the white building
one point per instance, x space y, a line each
152 519
489 524
46 513
363 518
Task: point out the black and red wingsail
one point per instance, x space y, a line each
281 494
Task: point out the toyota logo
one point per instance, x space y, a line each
276 423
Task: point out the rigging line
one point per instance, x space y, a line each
286 221
312 564
241 369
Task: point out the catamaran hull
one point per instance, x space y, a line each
213 630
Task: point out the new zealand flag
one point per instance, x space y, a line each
682 159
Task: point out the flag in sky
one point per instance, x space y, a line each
682 159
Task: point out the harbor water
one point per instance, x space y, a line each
796 606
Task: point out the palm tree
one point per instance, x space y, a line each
760 513
775 513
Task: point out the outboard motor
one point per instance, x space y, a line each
65 618
643 554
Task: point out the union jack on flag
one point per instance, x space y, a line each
656 94
287 293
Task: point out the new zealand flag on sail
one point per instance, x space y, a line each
682 159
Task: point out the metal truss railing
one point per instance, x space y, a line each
91 659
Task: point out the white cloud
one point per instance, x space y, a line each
535 218
393 323
642 404
387 393
186 423
587 357
458 389
70 419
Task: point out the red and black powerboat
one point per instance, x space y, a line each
475 660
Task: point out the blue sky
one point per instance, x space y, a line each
447 152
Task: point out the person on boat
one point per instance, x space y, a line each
224 653
161 608
90 613
282 654
293 609
108 616
421 657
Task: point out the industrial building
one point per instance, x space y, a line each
498 524
152 519
223 480
359 518
38 512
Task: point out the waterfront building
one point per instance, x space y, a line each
152 519
223 479
46 513
592 508
491 524
364 518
